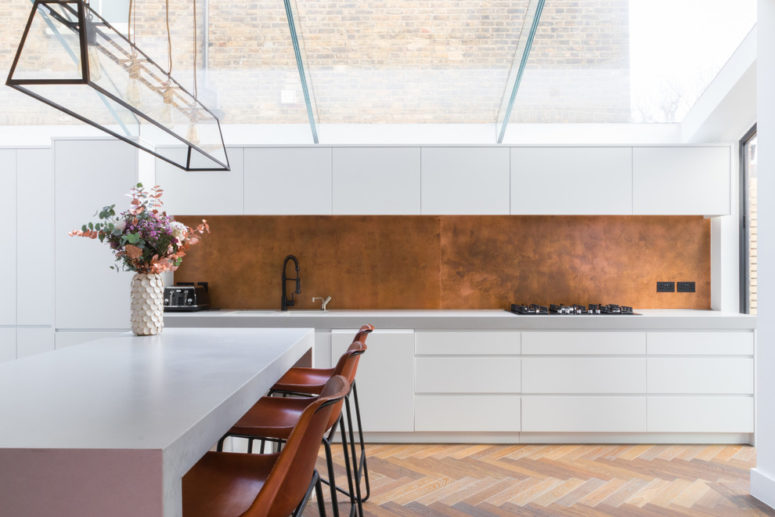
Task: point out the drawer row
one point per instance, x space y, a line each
601 414
585 375
583 343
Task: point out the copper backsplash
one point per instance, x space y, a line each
453 262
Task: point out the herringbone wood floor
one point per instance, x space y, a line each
539 480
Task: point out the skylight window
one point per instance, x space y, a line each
436 62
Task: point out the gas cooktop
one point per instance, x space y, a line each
595 309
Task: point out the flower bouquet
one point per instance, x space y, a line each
144 239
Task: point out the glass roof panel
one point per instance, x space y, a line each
627 60
401 61
441 61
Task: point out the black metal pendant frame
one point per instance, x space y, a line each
80 12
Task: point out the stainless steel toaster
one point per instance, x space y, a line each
186 297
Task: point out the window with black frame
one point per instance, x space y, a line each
748 223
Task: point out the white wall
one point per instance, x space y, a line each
763 476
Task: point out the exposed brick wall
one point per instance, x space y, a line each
382 61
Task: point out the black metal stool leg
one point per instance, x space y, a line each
356 478
319 497
362 462
331 476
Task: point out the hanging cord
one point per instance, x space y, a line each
129 21
169 39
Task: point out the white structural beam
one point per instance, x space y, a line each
763 476
727 107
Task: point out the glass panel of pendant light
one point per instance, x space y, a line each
122 91
53 50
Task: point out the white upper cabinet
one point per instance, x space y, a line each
288 181
681 180
202 192
8 238
377 180
465 180
571 180
35 225
90 174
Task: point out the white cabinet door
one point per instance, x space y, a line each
89 175
35 224
7 344
288 180
467 374
701 343
700 414
583 343
585 375
322 355
8 237
202 192
583 414
31 341
681 180
377 180
571 180
385 378
711 375
463 342
467 413
465 180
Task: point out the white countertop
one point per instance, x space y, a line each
111 426
464 319
132 392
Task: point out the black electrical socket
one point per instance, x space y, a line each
665 287
686 287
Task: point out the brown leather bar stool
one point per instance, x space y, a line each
309 381
273 418
268 485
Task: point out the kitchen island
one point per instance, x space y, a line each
111 426
665 376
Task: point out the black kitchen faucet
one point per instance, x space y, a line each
285 302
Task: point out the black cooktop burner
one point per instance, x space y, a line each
599 309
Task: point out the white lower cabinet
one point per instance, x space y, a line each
467 375
701 414
673 383
712 375
590 375
584 414
385 378
467 413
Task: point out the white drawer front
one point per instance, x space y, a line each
700 343
467 343
733 375
463 413
583 375
467 375
583 343
583 414
700 415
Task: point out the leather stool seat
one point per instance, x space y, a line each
271 417
304 380
225 485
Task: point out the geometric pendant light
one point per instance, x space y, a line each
73 60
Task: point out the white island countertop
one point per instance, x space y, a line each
648 319
110 427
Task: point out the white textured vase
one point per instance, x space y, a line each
147 304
